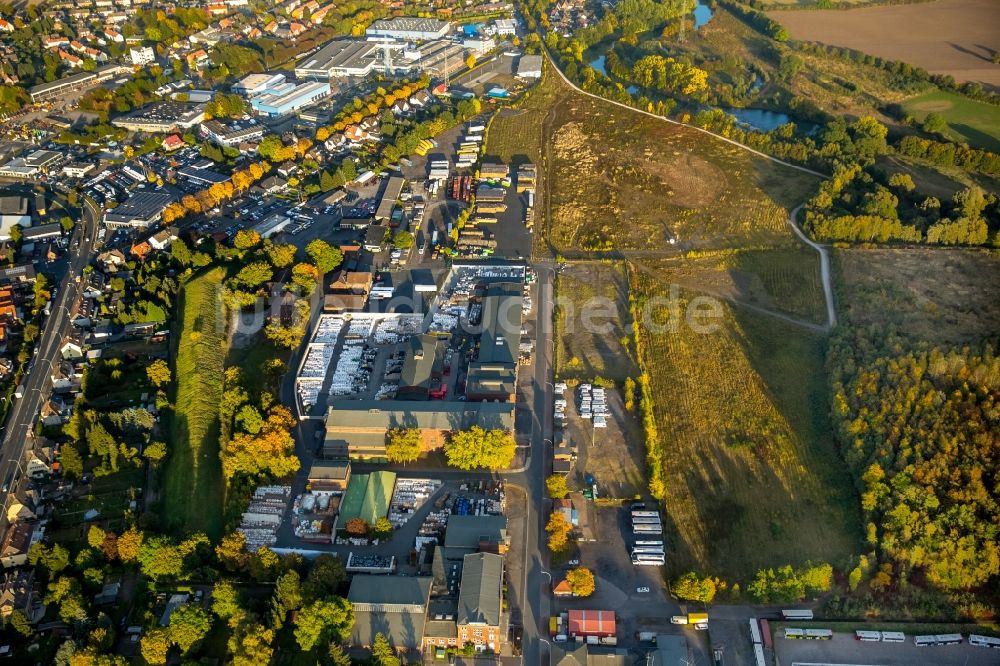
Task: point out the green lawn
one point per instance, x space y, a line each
969 121
193 488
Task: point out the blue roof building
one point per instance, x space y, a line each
278 102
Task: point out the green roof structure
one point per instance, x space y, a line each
367 497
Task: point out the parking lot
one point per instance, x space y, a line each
843 649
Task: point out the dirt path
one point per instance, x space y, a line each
824 267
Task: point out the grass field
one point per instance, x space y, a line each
935 295
956 37
969 121
193 487
752 475
591 323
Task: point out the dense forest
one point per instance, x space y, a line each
860 205
920 431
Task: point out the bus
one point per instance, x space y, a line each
645 514
869 636
765 633
754 632
647 529
648 550
893 637
795 633
819 634
984 641
648 559
794 614
649 543
937 639
646 521
758 654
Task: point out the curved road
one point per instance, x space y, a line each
36 383
824 266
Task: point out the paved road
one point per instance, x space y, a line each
17 438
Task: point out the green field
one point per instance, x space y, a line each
969 121
193 488
751 472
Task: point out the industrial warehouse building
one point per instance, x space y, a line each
493 376
397 611
409 29
340 58
140 210
289 98
256 84
359 427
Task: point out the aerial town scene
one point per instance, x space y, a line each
545 332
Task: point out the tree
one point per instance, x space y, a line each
403 445
160 558
382 652
556 485
280 255
305 276
357 527
559 530
158 373
581 581
470 61
129 544
323 620
250 645
188 625
382 528
66 223
325 577
250 419
691 587
403 240
232 552
226 601
155 452
478 448
95 536
934 123
18 621
246 239
337 655
254 274
155 645
288 592
324 256
72 463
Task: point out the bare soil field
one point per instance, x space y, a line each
628 182
592 323
956 37
943 296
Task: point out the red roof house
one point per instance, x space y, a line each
591 623
172 142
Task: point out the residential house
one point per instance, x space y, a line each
18 541
17 592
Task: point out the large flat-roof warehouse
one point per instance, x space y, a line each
404 27
139 210
340 58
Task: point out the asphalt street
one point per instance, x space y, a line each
17 438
